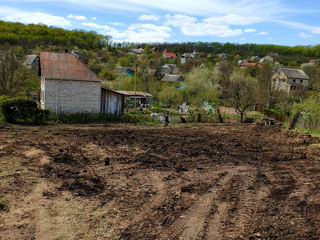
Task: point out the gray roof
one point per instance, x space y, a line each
169 65
171 78
137 50
295 73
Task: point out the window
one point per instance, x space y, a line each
293 80
301 81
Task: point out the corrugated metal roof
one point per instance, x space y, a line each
131 93
172 78
64 66
295 73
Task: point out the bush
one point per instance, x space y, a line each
84 118
23 110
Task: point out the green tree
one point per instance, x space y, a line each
201 85
170 95
242 92
15 78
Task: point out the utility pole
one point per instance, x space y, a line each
135 86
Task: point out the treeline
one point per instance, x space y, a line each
35 35
244 50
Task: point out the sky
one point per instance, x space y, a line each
282 22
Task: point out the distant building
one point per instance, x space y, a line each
167 54
170 69
293 81
142 97
186 57
223 56
172 78
250 64
136 50
266 59
314 61
124 70
33 62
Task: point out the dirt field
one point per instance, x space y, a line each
151 182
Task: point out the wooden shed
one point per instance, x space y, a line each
111 101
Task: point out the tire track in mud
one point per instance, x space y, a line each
194 223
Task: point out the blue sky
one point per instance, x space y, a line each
284 22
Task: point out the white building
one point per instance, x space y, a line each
67 85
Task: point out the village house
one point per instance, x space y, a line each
172 78
186 57
33 62
68 86
124 70
250 64
169 69
136 50
314 61
266 59
167 54
292 81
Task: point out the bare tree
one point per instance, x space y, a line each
14 77
242 92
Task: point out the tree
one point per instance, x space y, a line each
171 96
242 92
226 69
15 78
313 72
201 86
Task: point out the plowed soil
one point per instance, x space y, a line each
151 182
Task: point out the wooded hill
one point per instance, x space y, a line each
32 35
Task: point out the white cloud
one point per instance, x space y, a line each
263 33
135 32
77 17
96 26
93 18
250 30
148 18
17 15
316 30
242 39
116 24
213 26
305 35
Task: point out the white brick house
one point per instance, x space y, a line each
67 85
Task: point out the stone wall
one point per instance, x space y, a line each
69 96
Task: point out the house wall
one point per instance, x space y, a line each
278 84
69 96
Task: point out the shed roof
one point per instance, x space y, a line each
172 78
132 93
64 66
295 73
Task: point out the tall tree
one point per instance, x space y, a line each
242 92
15 78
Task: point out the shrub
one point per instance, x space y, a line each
23 110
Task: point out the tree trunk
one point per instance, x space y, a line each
241 116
